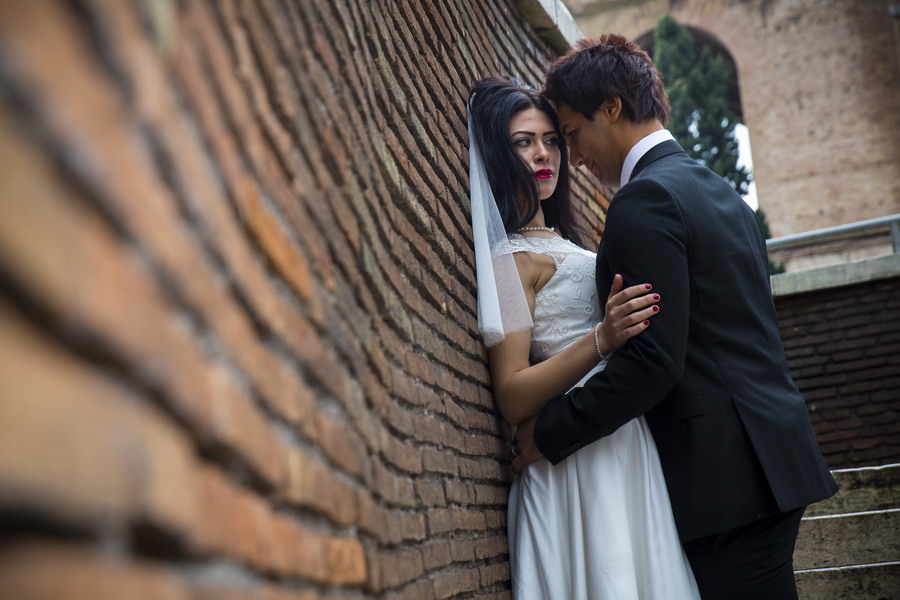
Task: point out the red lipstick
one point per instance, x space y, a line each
543 174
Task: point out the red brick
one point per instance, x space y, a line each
491 494
400 567
504 595
456 582
443 520
337 441
460 492
436 554
78 442
61 571
420 590
312 484
462 550
439 460
394 488
494 574
397 452
490 547
430 492
485 468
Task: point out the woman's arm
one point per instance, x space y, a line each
646 239
521 389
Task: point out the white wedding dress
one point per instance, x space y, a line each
597 526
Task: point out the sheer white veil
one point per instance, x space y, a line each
502 307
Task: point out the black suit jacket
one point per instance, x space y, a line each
709 373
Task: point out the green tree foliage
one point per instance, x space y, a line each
702 118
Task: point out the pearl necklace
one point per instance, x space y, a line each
550 229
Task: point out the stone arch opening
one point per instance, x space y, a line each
705 39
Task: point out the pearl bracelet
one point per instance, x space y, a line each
597 341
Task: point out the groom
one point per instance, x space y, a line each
739 455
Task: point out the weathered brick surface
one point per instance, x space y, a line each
843 347
239 355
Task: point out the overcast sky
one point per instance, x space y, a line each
745 158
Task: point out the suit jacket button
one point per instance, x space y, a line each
570 449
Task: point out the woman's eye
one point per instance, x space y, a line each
523 142
554 141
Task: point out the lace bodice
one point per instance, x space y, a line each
566 307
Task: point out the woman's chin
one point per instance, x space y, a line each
544 193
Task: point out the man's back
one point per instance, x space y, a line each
733 426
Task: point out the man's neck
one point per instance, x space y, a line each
639 149
635 132
625 134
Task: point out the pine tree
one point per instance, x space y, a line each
702 118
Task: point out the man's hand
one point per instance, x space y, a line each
523 443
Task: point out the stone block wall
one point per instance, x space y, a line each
843 347
238 346
819 82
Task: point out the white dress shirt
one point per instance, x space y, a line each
639 150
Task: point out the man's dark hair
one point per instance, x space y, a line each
595 71
493 102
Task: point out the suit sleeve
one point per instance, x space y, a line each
645 241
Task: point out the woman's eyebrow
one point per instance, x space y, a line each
551 132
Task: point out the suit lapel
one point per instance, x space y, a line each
602 273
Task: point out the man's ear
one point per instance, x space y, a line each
612 109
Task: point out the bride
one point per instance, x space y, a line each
599 525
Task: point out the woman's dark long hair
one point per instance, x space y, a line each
492 104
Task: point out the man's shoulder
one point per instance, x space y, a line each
681 176
671 164
639 194
646 204
663 153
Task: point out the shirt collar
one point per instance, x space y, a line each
640 149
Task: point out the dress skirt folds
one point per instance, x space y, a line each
599 525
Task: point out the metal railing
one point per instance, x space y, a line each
889 224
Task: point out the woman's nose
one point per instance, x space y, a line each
541 152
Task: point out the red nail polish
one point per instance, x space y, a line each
655 309
648 286
656 296
646 323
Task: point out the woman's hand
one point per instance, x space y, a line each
628 313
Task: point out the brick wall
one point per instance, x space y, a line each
238 346
843 347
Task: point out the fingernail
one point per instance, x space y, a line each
656 296
655 309
646 323
648 286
